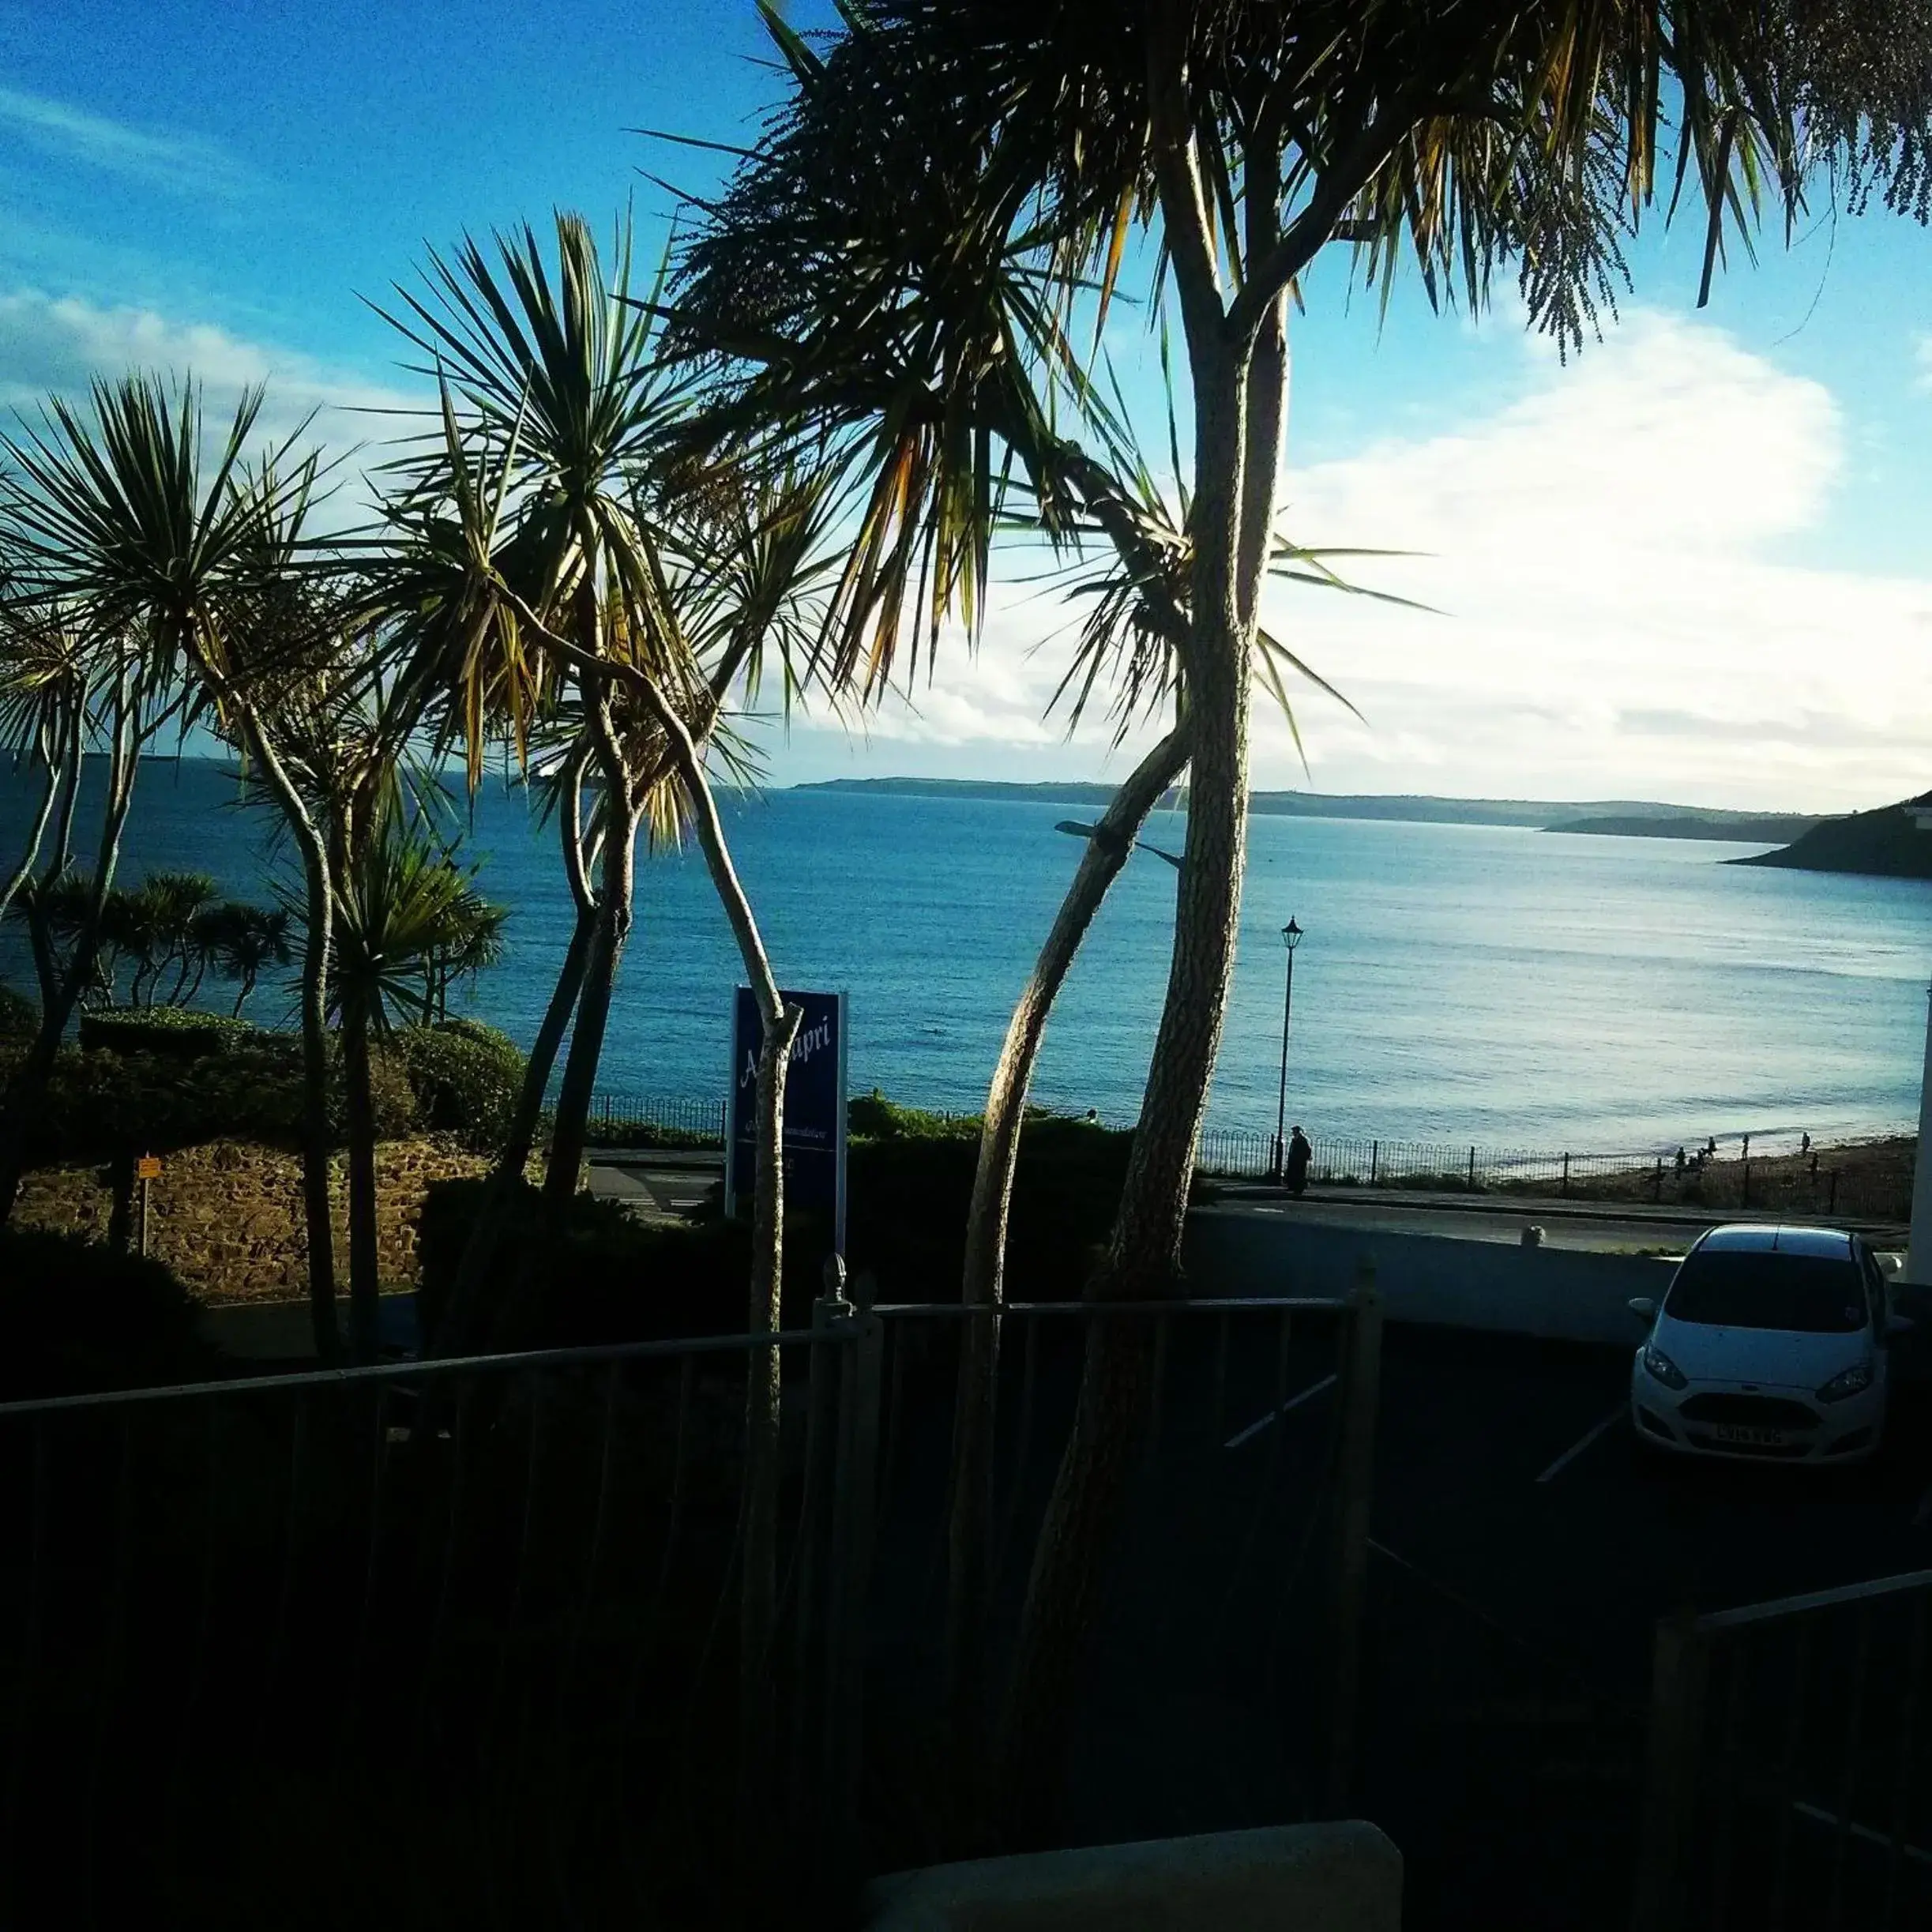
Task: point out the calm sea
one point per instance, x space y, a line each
1468 983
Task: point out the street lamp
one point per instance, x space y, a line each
1292 937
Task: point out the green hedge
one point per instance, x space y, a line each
614 1279
466 1077
872 1117
98 1101
179 1032
75 1316
169 1078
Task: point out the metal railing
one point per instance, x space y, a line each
468 1633
464 1630
1810 1184
1243 1548
1789 1778
631 1119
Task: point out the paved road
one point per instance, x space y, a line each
655 1186
1566 1224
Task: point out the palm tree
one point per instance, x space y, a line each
593 567
182 562
948 192
602 566
164 912
243 941
44 677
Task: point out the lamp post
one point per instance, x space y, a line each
1292 937
1919 1242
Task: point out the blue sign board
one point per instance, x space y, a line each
814 1108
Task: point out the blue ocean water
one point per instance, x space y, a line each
1468 983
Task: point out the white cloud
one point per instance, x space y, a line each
1621 618
50 345
188 162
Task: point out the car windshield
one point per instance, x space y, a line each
1742 1288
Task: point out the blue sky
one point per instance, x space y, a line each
1693 564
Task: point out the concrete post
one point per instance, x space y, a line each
1918 1257
1354 1493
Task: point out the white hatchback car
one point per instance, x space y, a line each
1770 1345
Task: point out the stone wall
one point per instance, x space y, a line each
227 1217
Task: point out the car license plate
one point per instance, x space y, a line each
1744 1434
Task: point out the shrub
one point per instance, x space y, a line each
615 1278
648 1133
75 1316
20 1018
466 1077
611 1278
98 1101
177 1032
872 1117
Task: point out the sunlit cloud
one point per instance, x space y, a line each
1621 618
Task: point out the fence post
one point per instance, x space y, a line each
854 1477
1472 1170
817 1581
1566 1174
1746 1202
1657 1187
1354 1489
1375 1160
1680 1673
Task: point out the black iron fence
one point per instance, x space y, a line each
449 1643
462 1643
1789 1766
647 1120
1813 1183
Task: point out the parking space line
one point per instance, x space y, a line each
1577 1449
1294 1402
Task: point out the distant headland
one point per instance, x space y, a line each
1607 818
1888 843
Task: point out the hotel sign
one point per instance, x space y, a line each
815 1109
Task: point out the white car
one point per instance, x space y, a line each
1770 1345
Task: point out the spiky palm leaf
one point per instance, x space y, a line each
125 524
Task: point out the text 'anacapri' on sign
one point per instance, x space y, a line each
815 1109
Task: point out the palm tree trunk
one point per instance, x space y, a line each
70 795
26 1093
364 1261
460 1316
522 1135
318 906
30 853
569 1128
758 1597
983 1285
1142 1259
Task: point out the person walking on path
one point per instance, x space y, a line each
1300 1153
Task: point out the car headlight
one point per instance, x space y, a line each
1852 1382
1661 1368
